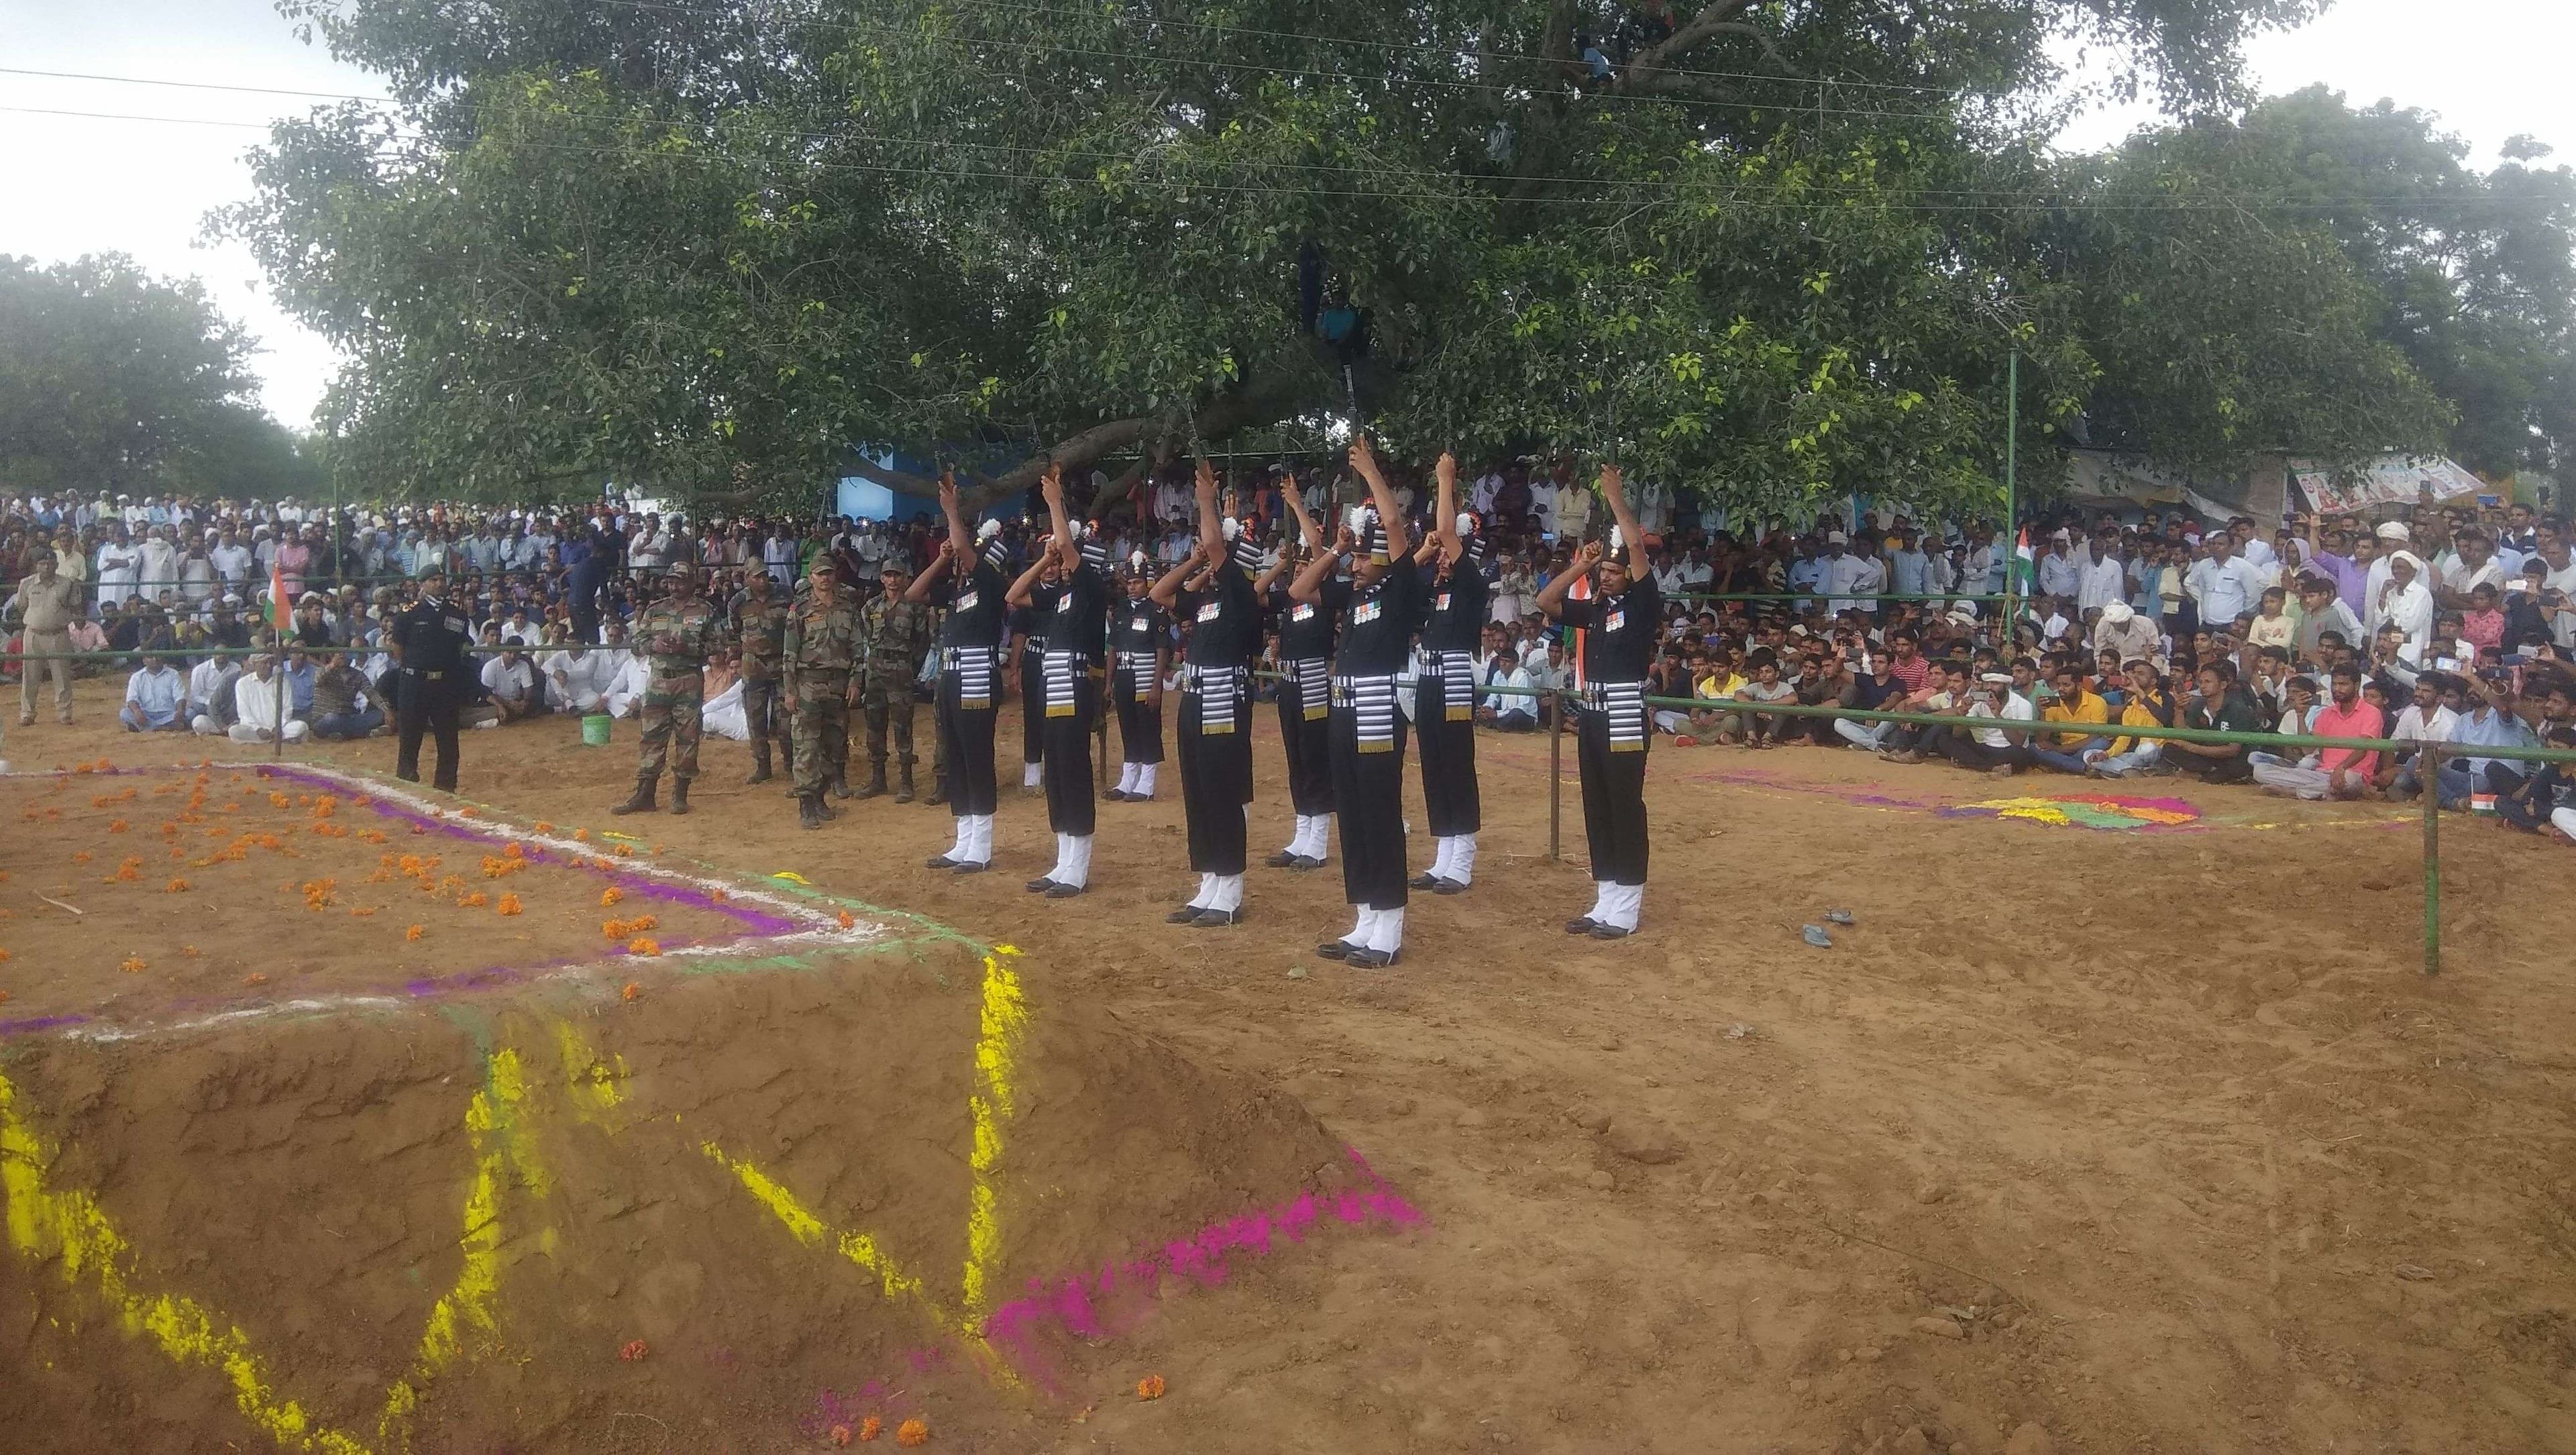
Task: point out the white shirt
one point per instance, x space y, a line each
255 701
1508 701
2412 727
589 675
2099 583
203 679
2458 578
506 679
1844 574
158 690
2412 610
2225 590
2057 576
231 562
2016 708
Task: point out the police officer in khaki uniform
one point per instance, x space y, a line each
761 632
893 634
821 644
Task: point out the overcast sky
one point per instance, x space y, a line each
2488 68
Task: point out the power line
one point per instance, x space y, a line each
195 85
1835 200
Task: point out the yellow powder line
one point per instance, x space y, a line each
1003 1024
491 1128
809 1229
70 1226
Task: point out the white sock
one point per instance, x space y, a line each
1462 858
1127 777
1032 774
1440 858
1620 904
1387 936
1076 869
1063 852
1229 893
1320 847
1600 899
965 835
979 844
1360 932
1297 840
1145 780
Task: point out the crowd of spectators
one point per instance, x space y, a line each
2451 624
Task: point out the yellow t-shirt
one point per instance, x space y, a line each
2091 709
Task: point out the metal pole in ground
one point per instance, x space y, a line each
278 738
1555 776
2429 774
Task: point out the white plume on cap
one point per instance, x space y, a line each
1358 519
1135 560
1230 527
1466 523
1617 544
988 530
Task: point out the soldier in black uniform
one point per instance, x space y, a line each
1444 718
1071 598
1212 590
1140 653
1380 609
1621 622
1306 632
429 641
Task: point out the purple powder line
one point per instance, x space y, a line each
45 1023
1082 1304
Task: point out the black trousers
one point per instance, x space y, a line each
1140 724
1450 801
1309 752
1614 800
966 737
1370 789
429 707
1216 782
1032 717
1960 746
1073 802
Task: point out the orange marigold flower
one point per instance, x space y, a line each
117 826
871 1427
363 911
190 951
516 851
1150 1387
581 835
476 900
175 886
414 932
614 929
132 965
610 896
848 920
633 1350
840 1434
82 857
509 904
254 978
544 827
633 991
625 852
641 945
4 954
912 1432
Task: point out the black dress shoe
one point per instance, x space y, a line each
1373 959
942 862
1610 932
1187 914
1337 949
1422 881
1217 919
973 867
1040 886
1302 863
1581 925
1063 891
1281 860
1115 795
1447 886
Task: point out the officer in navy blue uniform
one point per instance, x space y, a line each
429 641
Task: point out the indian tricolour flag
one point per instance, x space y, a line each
2025 566
278 610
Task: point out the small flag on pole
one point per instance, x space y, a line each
2025 567
277 608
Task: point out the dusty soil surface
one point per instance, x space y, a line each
2078 1139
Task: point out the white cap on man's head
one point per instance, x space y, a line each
1836 538
2395 530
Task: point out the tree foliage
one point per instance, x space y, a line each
111 379
1779 252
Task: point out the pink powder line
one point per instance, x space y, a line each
1080 1305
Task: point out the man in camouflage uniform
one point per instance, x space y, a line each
763 630
894 635
822 643
678 633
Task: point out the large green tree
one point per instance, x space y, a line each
1775 250
112 379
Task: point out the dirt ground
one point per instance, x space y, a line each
2078 1139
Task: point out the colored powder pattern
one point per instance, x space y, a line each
1001 1025
2084 810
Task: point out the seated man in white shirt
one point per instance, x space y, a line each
1508 702
256 706
210 694
626 692
578 679
511 685
154 698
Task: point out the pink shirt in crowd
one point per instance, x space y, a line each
2361 721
